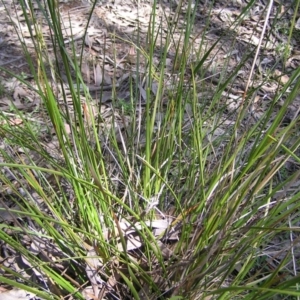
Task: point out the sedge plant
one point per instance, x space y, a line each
84 215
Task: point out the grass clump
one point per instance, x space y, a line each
159 178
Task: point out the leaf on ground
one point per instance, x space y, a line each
15 294
282 78
297 24
6 213
88 293
93 265
12 122
131 56
100 76
28 266
88 41
97 75
85 70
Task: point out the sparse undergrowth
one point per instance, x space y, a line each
168 170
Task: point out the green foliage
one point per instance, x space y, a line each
178 152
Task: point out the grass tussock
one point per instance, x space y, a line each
167 172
